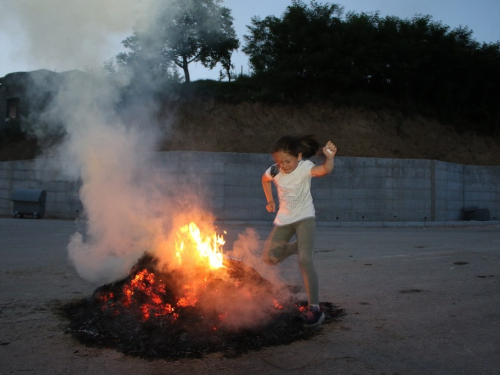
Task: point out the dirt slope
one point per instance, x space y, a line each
252 127
208 125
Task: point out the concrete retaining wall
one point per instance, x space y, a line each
358 190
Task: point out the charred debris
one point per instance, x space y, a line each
146 324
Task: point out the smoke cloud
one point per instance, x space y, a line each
122 193
130 204
248 249
65 35
113 161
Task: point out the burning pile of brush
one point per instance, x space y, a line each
204 304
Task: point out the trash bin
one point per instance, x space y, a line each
29 202
476 214
469 213
483 214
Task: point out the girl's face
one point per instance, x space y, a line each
286 162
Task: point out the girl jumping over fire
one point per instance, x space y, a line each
296 215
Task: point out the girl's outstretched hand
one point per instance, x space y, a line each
330 150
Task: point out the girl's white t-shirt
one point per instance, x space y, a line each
294 193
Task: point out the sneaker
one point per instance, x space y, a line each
314 318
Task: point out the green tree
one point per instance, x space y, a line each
312 51
184 31
301 44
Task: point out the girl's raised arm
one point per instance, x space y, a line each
322 170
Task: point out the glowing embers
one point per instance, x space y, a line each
142 295
154 290
151 314
234 296
186 300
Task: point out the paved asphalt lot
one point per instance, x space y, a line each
420 300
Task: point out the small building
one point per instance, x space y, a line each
23 96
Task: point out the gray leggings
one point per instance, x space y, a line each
278 248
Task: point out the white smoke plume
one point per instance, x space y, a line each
64 35
130 206
121 191
112 159
248 249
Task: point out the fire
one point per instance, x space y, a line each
207 247
191 276
277 304
146 294
180 297
144 284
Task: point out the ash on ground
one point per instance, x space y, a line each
142 315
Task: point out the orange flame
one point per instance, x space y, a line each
196 251
208 248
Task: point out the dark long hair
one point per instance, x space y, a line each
293 145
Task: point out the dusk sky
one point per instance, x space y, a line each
62 35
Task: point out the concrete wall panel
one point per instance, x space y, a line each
360 189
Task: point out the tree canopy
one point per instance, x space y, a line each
183 32
317 51
419 62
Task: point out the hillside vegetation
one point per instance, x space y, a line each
210 125
205 123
